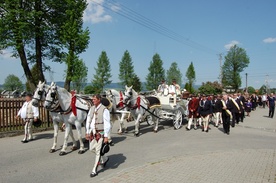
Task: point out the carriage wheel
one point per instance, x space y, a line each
177 121
149 120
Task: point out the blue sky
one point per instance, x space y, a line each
201 30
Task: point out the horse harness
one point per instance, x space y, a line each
57 108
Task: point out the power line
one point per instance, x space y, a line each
152 25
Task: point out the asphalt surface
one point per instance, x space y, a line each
248 154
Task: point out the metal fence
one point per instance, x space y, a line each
9 108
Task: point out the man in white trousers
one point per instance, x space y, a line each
29 114
98 128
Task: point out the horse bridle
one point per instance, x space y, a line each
129 98
40 94
54 101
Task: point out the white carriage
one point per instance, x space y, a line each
172 107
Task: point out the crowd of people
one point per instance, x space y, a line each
225 109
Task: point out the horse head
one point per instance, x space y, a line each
40 93
129 94
51 99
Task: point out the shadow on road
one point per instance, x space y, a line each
221 129
118 139
44 136
115 160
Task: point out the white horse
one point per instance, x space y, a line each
39 96
118 109
141 107
59 100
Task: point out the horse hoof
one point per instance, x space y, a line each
52 151
136 134
62 153
155 131
74 148
119 133
81 152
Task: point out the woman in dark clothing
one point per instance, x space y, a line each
254 101
248 106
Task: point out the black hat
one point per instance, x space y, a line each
29 94
37 123
105 149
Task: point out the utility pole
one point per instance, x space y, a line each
220 65
246 81
267 86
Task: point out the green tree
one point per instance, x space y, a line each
15 31
12 83
89 89
187 85
156 73
263 90
211 88
35 73
126 72
136 83
79 75
236 61
251 90
73 37
103 72
29 28
191 76
174 73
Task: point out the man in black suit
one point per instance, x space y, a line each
242 101
205 110
227 106
236 111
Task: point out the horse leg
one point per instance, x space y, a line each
73 140
122 121
68 127
122 126
53 149
137 125
156 122
78 127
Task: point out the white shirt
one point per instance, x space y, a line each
90 123
172 89
264 98
162 87
23 111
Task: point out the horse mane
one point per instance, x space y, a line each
134 92
115 92
64 98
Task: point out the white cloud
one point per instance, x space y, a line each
232 43
95 12
270 40
6 54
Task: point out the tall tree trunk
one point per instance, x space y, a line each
67 83
70 67
38 46
24 63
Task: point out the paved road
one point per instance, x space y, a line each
248 154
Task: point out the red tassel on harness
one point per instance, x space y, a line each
138 102
73 102
121 104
